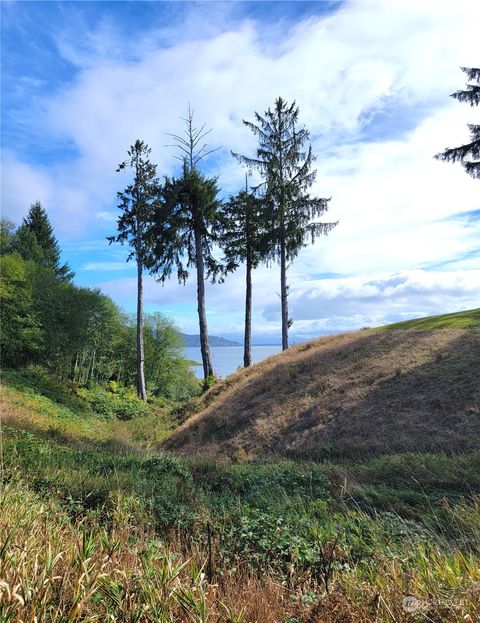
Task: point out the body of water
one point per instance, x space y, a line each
227 359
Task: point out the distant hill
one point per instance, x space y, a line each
409 387
193 341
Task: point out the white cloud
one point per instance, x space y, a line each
393 200
108 266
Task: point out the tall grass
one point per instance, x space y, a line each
56 569
97 529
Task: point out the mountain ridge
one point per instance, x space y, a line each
193 341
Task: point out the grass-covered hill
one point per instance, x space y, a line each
408 387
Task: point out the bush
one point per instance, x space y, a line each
123 404
129 409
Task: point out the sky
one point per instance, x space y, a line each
81 81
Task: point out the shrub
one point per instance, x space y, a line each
129 409
123 405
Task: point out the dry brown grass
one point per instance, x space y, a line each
348 395
56 570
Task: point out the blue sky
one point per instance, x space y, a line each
82 80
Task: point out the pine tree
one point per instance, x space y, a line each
468 155
137 203
284 159
240 238
183 233
35 240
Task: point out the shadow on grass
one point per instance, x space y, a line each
362 396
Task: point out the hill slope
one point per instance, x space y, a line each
369 392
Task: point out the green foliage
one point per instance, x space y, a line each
137 201
285 161
208 382
469 154
184 224
78 333
322 524
37 380
168 372
122 405
22 337
242 227
271 515
182 233
7 229
35 241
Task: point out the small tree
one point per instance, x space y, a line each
468 155
284 159
137 203
35 240
240 238
182 235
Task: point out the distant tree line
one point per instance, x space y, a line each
77 333
180 223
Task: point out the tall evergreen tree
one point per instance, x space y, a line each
181 238
35 240
284 158
183 233
137 203
468 155
241 240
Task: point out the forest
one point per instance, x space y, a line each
78 334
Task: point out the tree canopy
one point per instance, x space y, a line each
34 240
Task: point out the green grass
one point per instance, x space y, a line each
107 504
95 416
469 319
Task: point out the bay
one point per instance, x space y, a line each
227 359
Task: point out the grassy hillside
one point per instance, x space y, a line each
410 387
469 319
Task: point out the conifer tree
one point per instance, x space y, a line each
137 203
241 240
468 155
35 240
284 158
183 233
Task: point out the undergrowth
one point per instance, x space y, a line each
96 527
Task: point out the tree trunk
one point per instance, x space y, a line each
92 365
202 316
247 342
75 368
284 294
141 391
